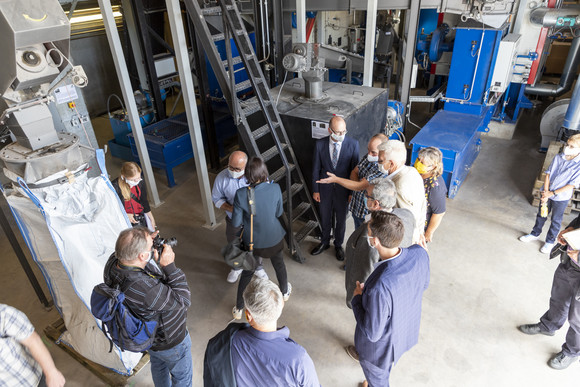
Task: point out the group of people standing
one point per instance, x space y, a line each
396 210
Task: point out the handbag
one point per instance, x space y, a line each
234 253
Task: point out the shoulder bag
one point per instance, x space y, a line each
235 254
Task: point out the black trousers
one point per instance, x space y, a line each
280 268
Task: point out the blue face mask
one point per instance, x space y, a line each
366 203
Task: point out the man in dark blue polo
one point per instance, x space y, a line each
387 307
260 354
338 155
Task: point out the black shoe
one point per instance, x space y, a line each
534 329
319 249
339 253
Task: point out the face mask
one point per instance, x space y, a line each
372 159
132 183
367 217
420 167
236 175
383 170
568 151
337 138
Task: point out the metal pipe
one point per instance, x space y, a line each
572 118
370 35
555 17
567 78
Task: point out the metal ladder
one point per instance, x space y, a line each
257 119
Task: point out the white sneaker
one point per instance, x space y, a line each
261 273
234 275
546 248
529 238
287 294
237 313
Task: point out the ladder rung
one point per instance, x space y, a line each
305 231
261 131
296 187
243 85
280 173
235 61
218 37
273 152
252 106
300 210
211 11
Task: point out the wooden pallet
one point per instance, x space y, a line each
56 329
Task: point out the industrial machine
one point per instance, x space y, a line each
58 191
306 105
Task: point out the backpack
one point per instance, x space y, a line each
121 326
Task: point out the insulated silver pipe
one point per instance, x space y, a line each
555 17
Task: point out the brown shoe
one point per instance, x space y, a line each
351 350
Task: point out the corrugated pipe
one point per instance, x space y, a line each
549 17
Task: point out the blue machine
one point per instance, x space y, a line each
456 130
168 143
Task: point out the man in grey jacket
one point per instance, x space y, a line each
381 195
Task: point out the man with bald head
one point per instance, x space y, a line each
338 155
223 193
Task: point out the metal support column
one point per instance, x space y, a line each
301 21
411 23
126 89
135 43
182 59
204 97
370 37
278 37
147 51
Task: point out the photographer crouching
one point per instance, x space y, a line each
155 291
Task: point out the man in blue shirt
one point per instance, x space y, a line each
259 354
223 193
387 307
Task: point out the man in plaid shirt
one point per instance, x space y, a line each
367 169
24 356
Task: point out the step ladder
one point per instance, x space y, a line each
257 118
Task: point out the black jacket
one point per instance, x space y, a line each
218 369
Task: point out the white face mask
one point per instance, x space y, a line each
383 170
132 183
372 159
337 138
568 151
236 175
367 217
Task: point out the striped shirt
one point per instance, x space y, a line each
17 366
151 293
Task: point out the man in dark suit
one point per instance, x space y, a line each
387 307
339 155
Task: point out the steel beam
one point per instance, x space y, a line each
301 21
127 90
410 35
370 37
182 59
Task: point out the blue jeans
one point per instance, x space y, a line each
173 367
557 209
357 221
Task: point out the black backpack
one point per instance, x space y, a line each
121 326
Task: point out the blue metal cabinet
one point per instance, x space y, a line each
458 136
168 143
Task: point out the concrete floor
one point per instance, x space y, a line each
484 282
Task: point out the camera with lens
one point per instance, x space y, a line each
158 243
139 219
